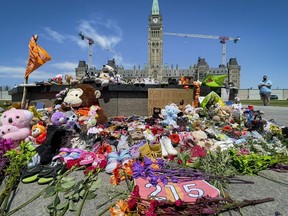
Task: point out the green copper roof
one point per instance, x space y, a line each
155 7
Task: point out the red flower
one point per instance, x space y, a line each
178 203
90 169
227 128
152 207
132 201
198 151
171 157
102 164
73 162
174 138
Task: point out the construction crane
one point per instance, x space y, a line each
91 41
222 39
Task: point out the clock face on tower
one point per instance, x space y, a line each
155 20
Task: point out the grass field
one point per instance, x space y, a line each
279 103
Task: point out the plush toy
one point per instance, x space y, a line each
18 118
170 114
72 121
6 129
92 116
39 133
106 76
201 139
84 96
58 79
69 80
58 118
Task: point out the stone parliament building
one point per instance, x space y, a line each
155 68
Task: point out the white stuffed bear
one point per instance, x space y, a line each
106 76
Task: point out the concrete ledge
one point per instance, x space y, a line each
123 99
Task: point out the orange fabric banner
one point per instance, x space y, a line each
37 56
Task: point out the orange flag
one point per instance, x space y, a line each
37 56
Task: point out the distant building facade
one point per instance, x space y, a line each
155 68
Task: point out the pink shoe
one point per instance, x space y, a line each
88 158
98 159
63 152
75 154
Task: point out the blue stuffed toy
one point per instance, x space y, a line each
170 114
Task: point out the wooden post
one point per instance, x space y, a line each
23 102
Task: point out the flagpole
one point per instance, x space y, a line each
23 102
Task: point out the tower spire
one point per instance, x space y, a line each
155 7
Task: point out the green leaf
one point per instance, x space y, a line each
82 193
62 205
50 191
49 211
68 185
76 197
91 195
51 206
95 185
72 206
68 194
78 186
68 178
56 200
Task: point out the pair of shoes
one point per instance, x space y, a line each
87 158
51 171
67 154
166 146
123 143
30 174
99 158
150 151
116 159
43 174
113 162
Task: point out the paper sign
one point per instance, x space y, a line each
186 191
159 98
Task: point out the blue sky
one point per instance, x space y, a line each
122 26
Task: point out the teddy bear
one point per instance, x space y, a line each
58 118
170 114
13 119
201 139
39 133
106 76
82 97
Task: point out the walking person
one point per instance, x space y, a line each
265 90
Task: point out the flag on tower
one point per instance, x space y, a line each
37 56
214 80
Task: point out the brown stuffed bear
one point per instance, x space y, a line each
83 96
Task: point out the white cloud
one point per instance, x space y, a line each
12 72
54 35
65 65
91 29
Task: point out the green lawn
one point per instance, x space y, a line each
279 103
